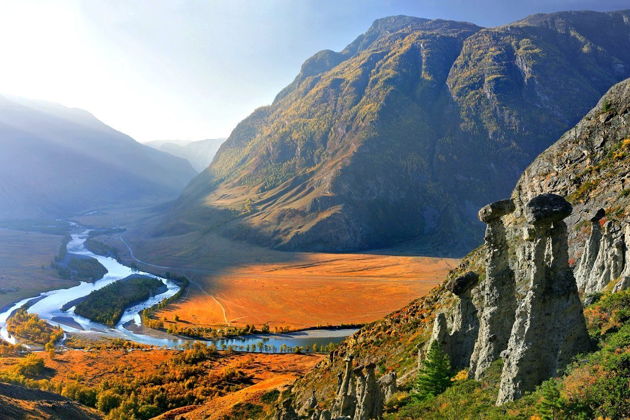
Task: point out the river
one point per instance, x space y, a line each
48 306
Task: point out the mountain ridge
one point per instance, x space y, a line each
57 161
395 137
596 150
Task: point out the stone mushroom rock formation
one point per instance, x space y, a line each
369 399
387 384
345 401
545 209
536 336
549 327
456 331
360 396
499 303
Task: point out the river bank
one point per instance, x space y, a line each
57 308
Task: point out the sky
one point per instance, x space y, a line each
191 69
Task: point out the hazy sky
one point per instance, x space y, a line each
187 69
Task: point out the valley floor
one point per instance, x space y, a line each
25 270
239 284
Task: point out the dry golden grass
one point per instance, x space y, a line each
317 289
25 270
239 283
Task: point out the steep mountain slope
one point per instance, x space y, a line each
405 133
55 161
199 153
590 164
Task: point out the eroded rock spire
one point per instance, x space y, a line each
499 303
549 327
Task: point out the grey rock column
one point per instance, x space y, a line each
549 328
345 400
586 263
457 339
499 302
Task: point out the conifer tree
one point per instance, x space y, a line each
435 375
551 403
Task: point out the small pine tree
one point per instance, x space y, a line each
550 406
435 375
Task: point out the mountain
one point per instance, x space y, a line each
509 316
405 133
199 153
56 161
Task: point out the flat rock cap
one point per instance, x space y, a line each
601 213
461 284
546 209
496 210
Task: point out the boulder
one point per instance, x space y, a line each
462 284
496 210
545 209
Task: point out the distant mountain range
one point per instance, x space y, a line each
405 133
56 161
199 153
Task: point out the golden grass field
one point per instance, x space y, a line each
235 283
25 270
317 289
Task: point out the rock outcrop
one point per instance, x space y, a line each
538 335
456 330
549 327
590 165
285 411
360 396
605 257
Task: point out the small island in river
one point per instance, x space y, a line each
108 304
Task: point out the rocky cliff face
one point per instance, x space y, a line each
590 165
539 261
405 133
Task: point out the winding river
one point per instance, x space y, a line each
48 306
